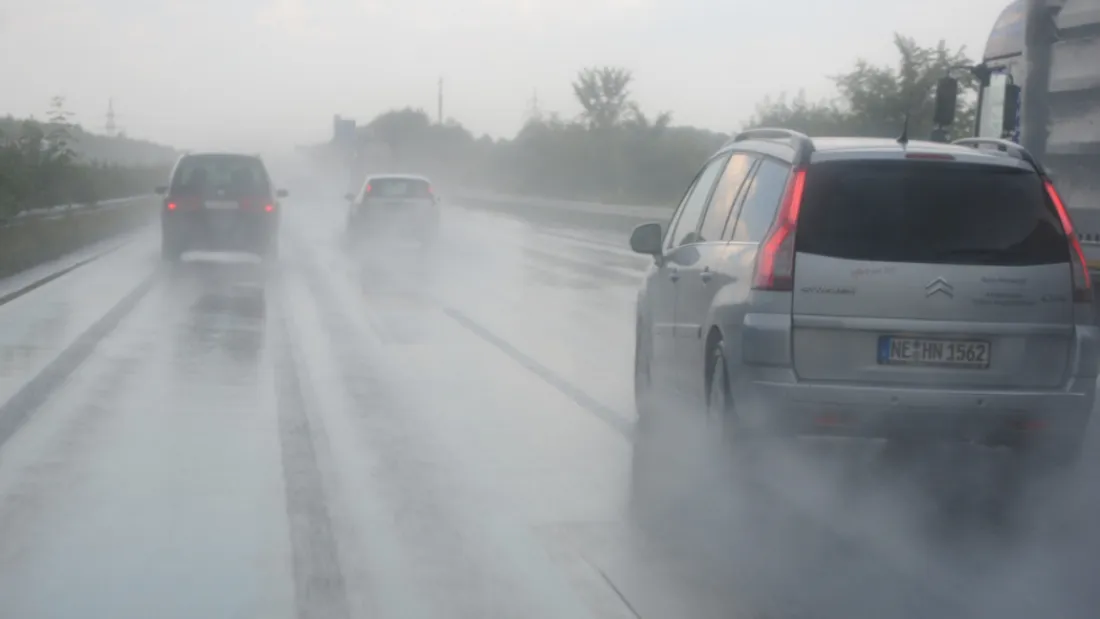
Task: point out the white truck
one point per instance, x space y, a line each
1041 88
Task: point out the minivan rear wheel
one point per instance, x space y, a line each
170 250
269 252
721 415
643 383
740 445
652 472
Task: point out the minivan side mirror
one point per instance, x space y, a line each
646 239
282 193
161 190
947 96
349 197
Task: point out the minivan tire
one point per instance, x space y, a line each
643 385
719 396
170 251
650 477
270 252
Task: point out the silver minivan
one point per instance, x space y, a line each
870 288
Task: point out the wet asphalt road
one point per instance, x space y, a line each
396 433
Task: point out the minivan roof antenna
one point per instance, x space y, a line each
903 139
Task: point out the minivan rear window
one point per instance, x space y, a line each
228 175
929 212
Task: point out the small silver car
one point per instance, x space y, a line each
404 205
870 288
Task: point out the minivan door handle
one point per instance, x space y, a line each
674 274
706 275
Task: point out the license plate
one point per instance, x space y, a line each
221 205
919 351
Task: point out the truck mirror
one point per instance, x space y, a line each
1011 107
947 95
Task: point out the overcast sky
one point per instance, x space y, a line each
258 74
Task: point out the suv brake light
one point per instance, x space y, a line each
1082 281
775 262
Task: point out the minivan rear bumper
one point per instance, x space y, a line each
991 416
200 232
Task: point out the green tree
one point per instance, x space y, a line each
880 97
812 118
874 100
59 137
604 95
399 130
616 152
38 166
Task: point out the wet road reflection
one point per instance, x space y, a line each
227 309
384 430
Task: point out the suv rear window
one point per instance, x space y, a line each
929 212
233 176
400 188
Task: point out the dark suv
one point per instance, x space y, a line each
220 202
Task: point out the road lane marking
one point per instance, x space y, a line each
320 590
613 419
38 283
614 587
15 412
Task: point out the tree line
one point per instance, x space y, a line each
616 153
55 162
612 151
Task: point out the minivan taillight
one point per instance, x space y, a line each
775 261
1082 281
181 203
257 203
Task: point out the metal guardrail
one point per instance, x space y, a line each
61 209
57 212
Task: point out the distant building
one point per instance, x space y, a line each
343 130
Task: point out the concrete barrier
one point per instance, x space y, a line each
49 234
61 209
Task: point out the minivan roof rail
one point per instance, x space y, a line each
802 144
1003 146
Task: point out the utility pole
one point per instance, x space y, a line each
111 117
533 111
440 103
1039 37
